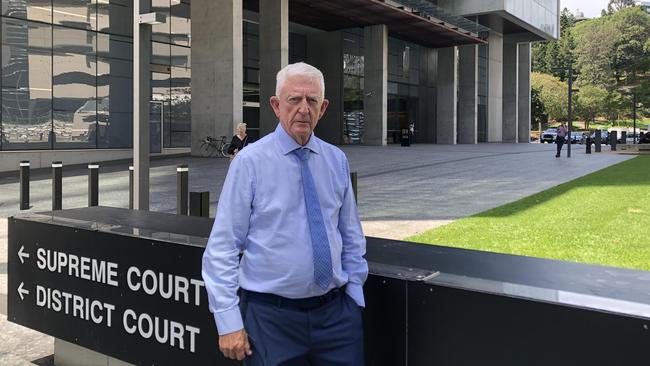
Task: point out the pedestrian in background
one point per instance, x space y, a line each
562 132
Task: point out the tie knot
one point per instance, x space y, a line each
302 153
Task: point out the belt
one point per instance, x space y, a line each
307 303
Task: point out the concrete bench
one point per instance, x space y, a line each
634 148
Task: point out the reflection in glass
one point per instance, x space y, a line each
115 16
26 85
40 10
114 103
160 89
180 103
180 56
160 53
160 32
181 23
76 14
74 100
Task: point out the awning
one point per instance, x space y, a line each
403 22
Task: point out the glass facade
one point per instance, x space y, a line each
353 116
67 74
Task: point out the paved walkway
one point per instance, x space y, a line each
402 191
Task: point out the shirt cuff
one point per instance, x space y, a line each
355 291
228 321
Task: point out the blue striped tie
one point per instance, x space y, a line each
320 244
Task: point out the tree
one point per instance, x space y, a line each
616 5
595 50
552 93
590 102
537 114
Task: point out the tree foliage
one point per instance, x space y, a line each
553 94
610 53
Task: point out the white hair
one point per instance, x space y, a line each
299 69
241 125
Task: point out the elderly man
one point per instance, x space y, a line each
287 205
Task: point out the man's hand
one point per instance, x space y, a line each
235 345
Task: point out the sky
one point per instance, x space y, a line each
591 8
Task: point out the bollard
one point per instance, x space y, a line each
623 137
588 147
200 204
612 140
93 185
130 187
57 185
599 138
182 172
353 179
24 185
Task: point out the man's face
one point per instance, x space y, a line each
299 106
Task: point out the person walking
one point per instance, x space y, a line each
288 208
562 132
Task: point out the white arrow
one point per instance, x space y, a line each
22 292
22 255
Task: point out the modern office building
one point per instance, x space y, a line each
458 70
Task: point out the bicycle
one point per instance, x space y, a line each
214 147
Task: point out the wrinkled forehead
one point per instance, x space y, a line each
302 84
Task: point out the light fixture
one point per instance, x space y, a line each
152 18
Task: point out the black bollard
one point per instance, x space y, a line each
130 187
57 185
200 204
612 140
24 185
623 137
353 179
588 147
599 138
93 185
182 172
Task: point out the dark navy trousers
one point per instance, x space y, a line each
282 334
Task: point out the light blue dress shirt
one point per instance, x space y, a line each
262 212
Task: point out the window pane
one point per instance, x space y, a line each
160 32
160 53
77 14
26 85
181 24
181 56
114 46
114 103
68 40
40 10
74 100
115 16
181 111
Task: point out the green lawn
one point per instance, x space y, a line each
601 218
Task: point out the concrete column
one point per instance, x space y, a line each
495 87
375 99
447 96
510 92
324 52
141 96
217 69
468 94
274 55
523 98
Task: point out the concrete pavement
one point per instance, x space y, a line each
402 191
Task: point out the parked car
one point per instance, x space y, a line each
576 136
548 136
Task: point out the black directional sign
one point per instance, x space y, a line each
137 299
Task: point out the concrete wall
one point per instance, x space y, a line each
375 100
468 94
447 96
217 69
510 91
70 354
523 98
274 55
324 52
495 87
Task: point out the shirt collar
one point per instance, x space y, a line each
288 144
